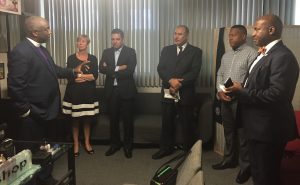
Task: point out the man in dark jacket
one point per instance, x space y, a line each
178 68
33 86
118 64
265 101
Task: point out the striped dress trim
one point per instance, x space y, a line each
80 109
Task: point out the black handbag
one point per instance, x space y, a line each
166 175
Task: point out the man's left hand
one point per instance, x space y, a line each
172 90
122 67
175 83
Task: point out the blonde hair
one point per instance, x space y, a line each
83 36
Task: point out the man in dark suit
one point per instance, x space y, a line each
265 101
178 67
32 84
118 64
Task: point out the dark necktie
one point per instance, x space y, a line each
180 50
40 50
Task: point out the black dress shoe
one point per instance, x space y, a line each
127 153
223 166
243 176
111 151
91 152
162 153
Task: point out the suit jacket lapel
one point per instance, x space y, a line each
264 58
182 54
112 57
42 59
255 68
177 57
259 63
49 63
123 51
247 74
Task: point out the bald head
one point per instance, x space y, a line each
273 21
37 28
187 31
267 28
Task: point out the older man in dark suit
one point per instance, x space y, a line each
118 64
33 85
178 68
265 101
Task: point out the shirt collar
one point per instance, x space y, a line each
118 50
36 44
271 44
240 48
183 46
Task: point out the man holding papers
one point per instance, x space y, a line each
178 68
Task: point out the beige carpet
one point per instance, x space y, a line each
98 169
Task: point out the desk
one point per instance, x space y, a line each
70 176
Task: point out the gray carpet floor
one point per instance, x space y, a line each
98 169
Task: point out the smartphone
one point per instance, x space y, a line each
228 83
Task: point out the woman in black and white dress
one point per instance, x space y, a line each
80 100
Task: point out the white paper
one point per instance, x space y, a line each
222 87
170 96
